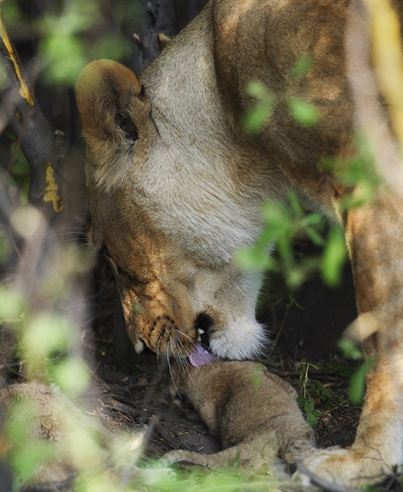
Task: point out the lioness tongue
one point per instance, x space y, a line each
200 357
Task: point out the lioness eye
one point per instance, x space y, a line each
127 125
134 279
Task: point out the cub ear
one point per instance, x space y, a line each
107 99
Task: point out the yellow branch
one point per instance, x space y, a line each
24 89
52 190
388 59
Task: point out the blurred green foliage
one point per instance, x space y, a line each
284 223
11 305
3 76
230 480
27 454
18 166
301 67
356 389
260 112
69 35
5 248
303 112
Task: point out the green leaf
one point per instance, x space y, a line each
314 236
277 218
313 220
349 349
112 46
3 76
302 66
357 382
5 248
21 425
257 117
310 412
295 277
295 204
64 58
257 377
253 259
303 112
77 16
33 455
11 304
11 13
334 257
284 246
257 90
72 375
44 335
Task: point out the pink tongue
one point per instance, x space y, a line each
200 357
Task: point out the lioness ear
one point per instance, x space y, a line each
107 99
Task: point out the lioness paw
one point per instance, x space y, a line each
351 467
242 338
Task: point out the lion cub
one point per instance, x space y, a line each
253 412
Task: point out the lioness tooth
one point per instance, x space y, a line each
138 347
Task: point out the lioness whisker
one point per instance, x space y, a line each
184 334
169 363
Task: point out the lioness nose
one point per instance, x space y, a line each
203 324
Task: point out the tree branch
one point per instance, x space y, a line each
159 18
40 145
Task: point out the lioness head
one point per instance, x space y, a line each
167 226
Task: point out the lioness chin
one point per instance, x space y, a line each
176 185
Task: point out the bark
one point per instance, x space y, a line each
159 18
41 146
187 10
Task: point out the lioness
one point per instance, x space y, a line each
176 186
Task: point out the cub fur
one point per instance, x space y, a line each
254 414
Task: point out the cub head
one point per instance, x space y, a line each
170 287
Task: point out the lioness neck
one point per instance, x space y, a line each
225 179
181 84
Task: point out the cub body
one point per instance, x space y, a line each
254 414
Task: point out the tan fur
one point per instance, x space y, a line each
253 412
174 204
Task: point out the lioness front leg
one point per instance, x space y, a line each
375 237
